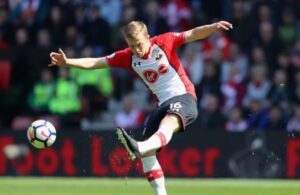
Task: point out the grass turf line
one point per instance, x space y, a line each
138 186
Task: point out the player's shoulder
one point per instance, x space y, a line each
162 36
167 37
123 53
120 58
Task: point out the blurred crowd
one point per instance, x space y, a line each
246 78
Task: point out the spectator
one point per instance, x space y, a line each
284 63
259 86
66 101
258 56
257 116
57 24
21 55
236 123
241 21
269 42
42 47
98 38
80 18
43 91
218 41
287 30
233 89
73 38
263 13
276 120
279 92
178 14
29 12
295 55
237 58
96 86
129 117
294 122
210 116
193 62
155 22
210 83
105 8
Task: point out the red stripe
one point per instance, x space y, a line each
176 64
162 138
154 174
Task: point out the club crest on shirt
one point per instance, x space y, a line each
156 54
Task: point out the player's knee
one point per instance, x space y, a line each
173 120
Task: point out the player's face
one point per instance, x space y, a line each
140 45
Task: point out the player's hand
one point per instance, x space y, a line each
223 25
58 59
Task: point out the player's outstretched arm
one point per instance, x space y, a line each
202 32
60 59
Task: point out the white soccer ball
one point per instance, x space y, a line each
41 134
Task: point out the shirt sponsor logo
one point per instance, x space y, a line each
152 76
163 69
158 57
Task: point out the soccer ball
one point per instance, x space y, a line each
41 134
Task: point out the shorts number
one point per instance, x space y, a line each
175 107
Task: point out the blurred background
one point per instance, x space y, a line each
247 81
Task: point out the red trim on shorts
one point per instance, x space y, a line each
154 174
162 138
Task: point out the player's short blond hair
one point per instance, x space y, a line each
134 28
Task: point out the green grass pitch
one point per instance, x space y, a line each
139 186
